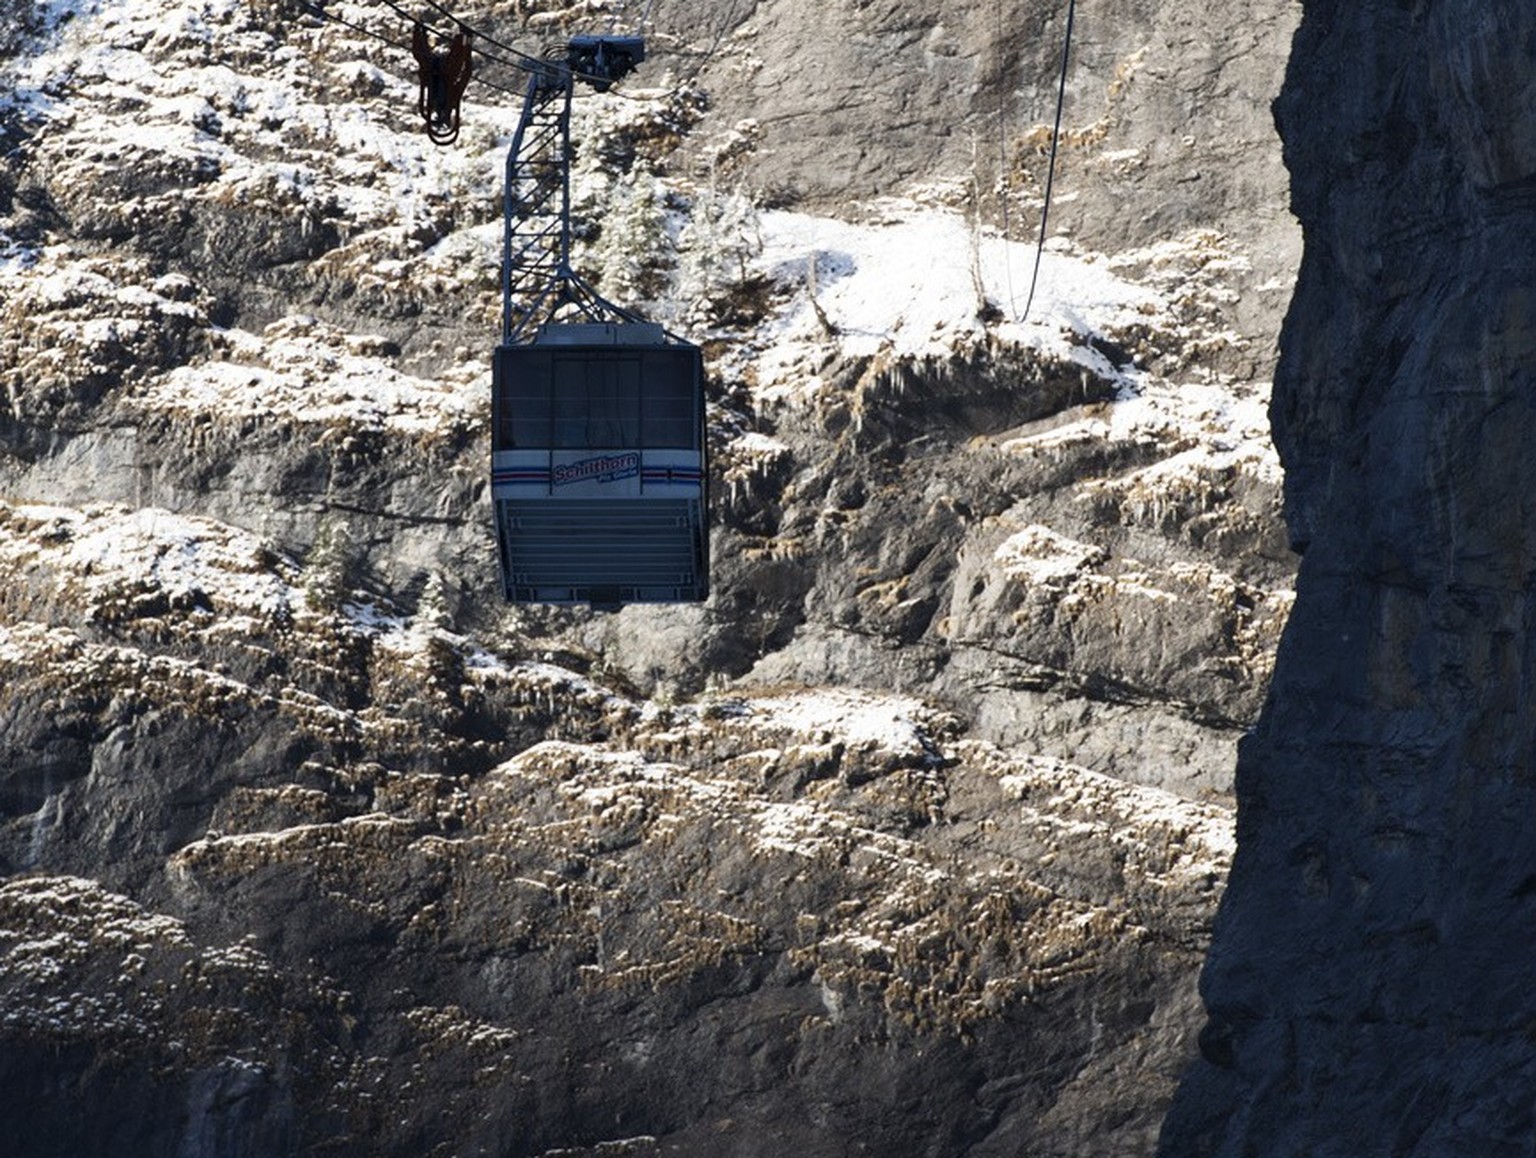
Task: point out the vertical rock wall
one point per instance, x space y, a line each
1370 986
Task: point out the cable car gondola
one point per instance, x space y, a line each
598 472
598 466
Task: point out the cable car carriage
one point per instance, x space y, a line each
598 466
598 471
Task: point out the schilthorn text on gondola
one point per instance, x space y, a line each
603 468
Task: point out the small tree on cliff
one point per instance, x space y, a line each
633 252
715 249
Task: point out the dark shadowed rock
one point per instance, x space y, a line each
1368 988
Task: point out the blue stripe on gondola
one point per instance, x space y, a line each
651 474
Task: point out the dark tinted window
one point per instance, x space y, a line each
522 398
528 403
596 400
668 400
580 398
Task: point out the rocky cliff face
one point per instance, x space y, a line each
907 842
1369 985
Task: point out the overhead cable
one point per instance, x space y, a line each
1050 172
399 45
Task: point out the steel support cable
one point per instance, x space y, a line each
1050 171
316 10
521 61
400 45
535 64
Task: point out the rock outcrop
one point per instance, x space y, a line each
1368 987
